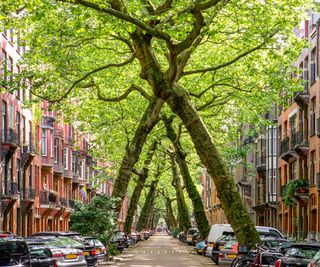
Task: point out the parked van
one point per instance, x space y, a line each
217 230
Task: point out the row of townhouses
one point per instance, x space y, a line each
46 167
279 178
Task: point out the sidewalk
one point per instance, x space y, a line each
160 250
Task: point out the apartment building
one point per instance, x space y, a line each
44 161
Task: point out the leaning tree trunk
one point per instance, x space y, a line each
133 150
150 218
138 188
170 215
200 216
164 86
147 205
184 221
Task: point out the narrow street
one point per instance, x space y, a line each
160 250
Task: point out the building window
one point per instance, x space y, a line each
313 117
18 125
44 142
74 164
19 174
56 150
23 129
51 143
80 169
30 176
65 158
293 170
11 35
312 168
10 69
4 65
4 119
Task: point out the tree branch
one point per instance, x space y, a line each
122 16
124 95
230 62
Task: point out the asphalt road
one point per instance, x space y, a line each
161 250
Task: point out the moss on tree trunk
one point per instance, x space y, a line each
171 219
133 151
183 213
200 216
143 175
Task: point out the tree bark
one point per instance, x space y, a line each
228 194
184 221
147 205
143 175
170 215
200 216
164 85
133 151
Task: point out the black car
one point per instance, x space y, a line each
89 251
221 241
299 254
120 239
14 252
41 257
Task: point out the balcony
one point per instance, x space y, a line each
63 202
10 194
9 142
287 153
27 199
48 199
58 168
67 174
299 144
261 164
48 122
75 179
28 153
72 203
302 98
47 162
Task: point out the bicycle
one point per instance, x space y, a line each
262 256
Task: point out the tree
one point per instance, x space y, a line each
96 219
189 53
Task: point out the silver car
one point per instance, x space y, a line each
65 257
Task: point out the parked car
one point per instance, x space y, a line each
190 236
315 261
101 250
120 239
219 244
73 241
182 237
300 254
63 255
229 251
41 256
134 235
217 230
14 253
200 247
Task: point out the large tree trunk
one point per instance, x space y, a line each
200 216
170 215
184 220
143 175
228 194
147 205
164 86
146 124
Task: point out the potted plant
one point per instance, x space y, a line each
302 185
53 196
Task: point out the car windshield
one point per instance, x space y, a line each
192 231
317 256
274 243
63 242
93 242
229 244
39 252
302 252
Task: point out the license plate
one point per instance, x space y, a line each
221 247
199 250
86 253
211 245
98 250
71 256
232 256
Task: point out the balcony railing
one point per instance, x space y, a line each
28 193
10 189
67 174
47 197
28 148
72 203
48 122
10 136
63 202
58 167
282 190
285 145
